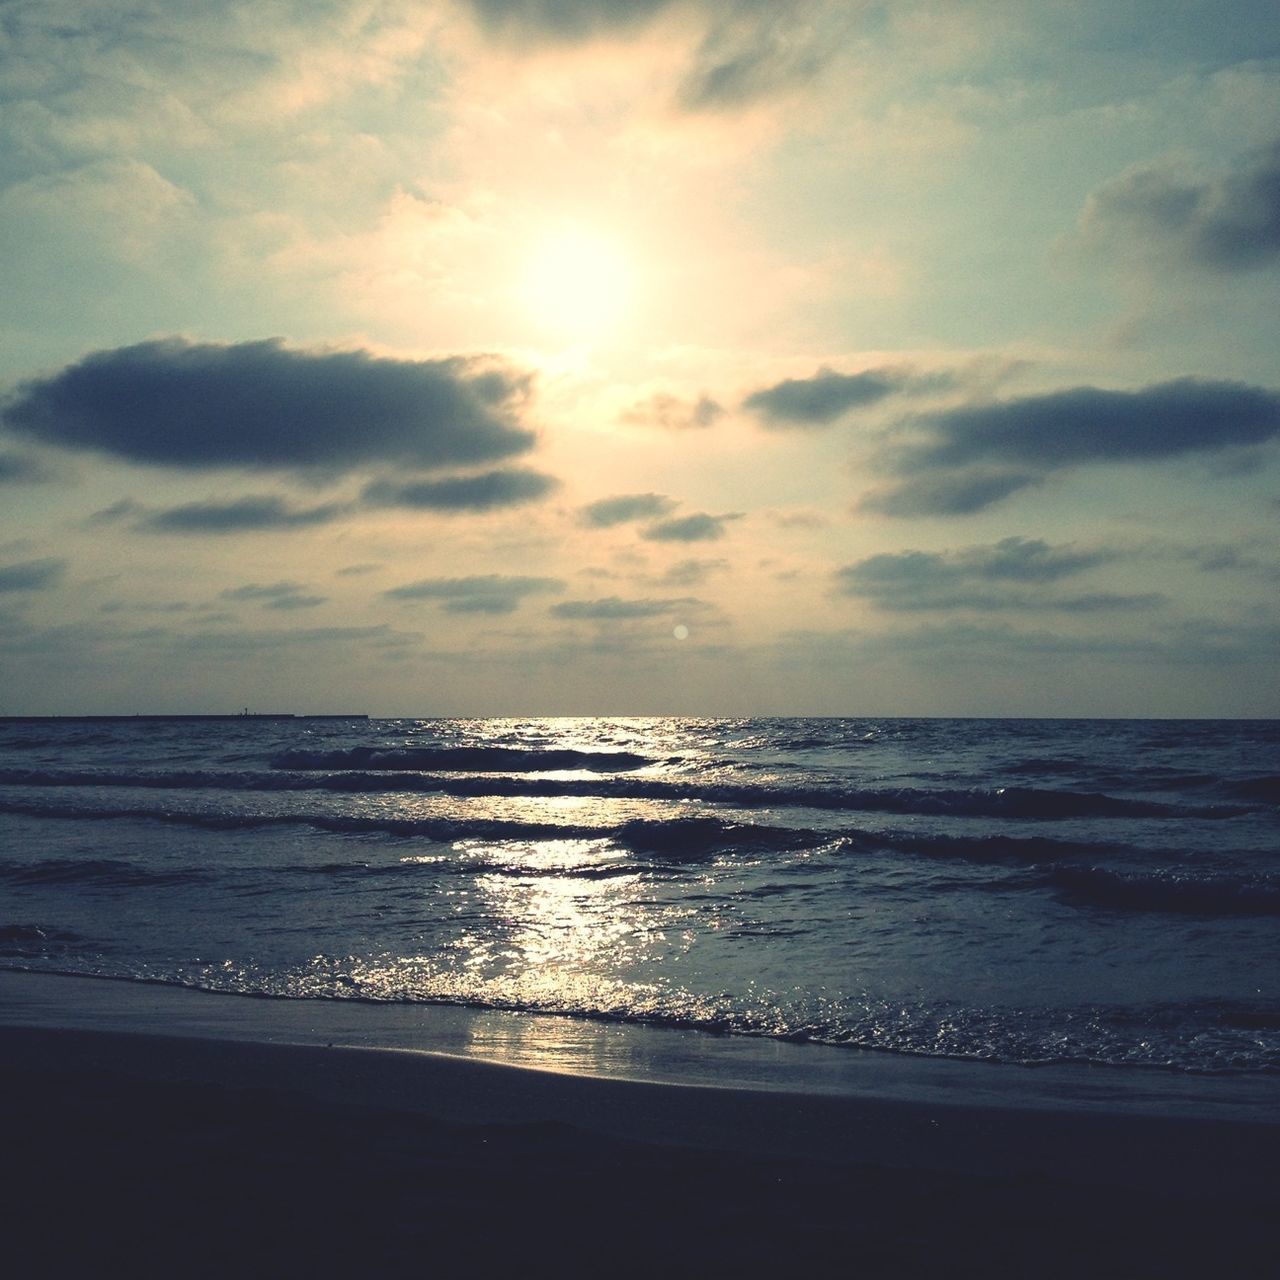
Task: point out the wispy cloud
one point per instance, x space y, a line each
828 395
625 507
615 608
736 52
20 468
486 492
1228 223
1013 574
274 595
688 573
258 513
700 527
32 575
674 414
486 593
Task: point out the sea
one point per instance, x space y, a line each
1096 892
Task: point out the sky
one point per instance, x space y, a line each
640 357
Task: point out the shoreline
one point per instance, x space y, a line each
236 1149
624 1051
762 1097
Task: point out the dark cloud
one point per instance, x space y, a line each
486 593
606 512
18 468
613 608
253 514
32 575
1227 224
1015 573
563 20
356 570
1084 425
674 414
262 405
979 454
696 528
486 492
274 595
827 395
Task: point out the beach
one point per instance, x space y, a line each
911 998
215 1151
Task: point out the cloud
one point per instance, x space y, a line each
116 512
18 468
827 395
753 51
948 495
696 528
234 644
1226 224
275 595
979 454
253 514
32 575
738 51
485 492
1015 573
613 608
688 573
606 512
488 593
262 405
563 20
672 413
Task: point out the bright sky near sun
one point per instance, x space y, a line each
640 356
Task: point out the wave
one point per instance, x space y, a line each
27 941
1018 803
462 760
682 838
1183 894
678 840
687 839
99 871
1219 1038
1265 789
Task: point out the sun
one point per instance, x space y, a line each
578 284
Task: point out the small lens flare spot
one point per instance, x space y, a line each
681 632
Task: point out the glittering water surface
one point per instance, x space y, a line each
1023 891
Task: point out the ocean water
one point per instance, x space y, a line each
1013 891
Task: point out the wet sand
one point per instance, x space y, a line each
156 1155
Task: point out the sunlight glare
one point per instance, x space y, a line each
578 284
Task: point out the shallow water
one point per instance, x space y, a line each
1013 891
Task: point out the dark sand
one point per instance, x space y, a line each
136 1154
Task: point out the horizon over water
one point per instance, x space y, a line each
1032 892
